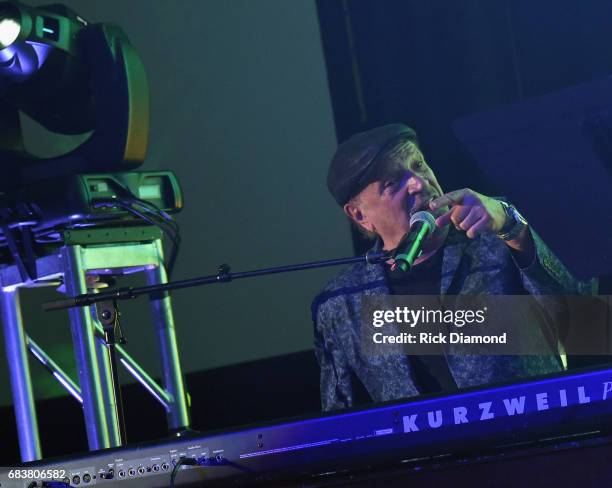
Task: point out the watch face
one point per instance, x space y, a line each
515 223
517 216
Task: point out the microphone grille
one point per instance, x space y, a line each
425 217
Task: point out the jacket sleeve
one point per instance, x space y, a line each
546 275
549 281
336 389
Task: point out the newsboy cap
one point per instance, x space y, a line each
356 158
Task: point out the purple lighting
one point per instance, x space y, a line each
21 60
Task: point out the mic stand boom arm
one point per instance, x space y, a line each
224 275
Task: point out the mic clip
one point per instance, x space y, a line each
405 243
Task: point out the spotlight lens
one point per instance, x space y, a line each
9 26
9 30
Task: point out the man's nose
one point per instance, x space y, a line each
415 184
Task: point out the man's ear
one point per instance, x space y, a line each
355 213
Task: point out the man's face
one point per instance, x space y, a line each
406 185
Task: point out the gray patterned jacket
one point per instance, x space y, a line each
480 266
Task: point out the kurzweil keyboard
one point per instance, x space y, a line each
552 409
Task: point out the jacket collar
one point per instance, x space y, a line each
453 249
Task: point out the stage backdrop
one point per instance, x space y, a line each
240 110
428 63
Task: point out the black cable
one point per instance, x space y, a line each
169 230
174 234
169 221
168 225
154 209
130 197
177 466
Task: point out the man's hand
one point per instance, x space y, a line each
470 211
476 214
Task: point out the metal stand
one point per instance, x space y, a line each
107 251
108 315
21 385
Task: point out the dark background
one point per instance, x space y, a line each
430 63
422 63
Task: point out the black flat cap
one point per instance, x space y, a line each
355 159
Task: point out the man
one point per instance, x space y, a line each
480 246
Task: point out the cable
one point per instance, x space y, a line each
169 230
182 461
154 209
158 218
169 226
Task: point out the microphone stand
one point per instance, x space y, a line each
108 315
224 275
108 312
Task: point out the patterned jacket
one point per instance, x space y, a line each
482 266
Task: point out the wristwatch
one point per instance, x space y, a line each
514 225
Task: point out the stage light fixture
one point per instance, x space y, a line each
73 78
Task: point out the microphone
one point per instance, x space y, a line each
422 225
